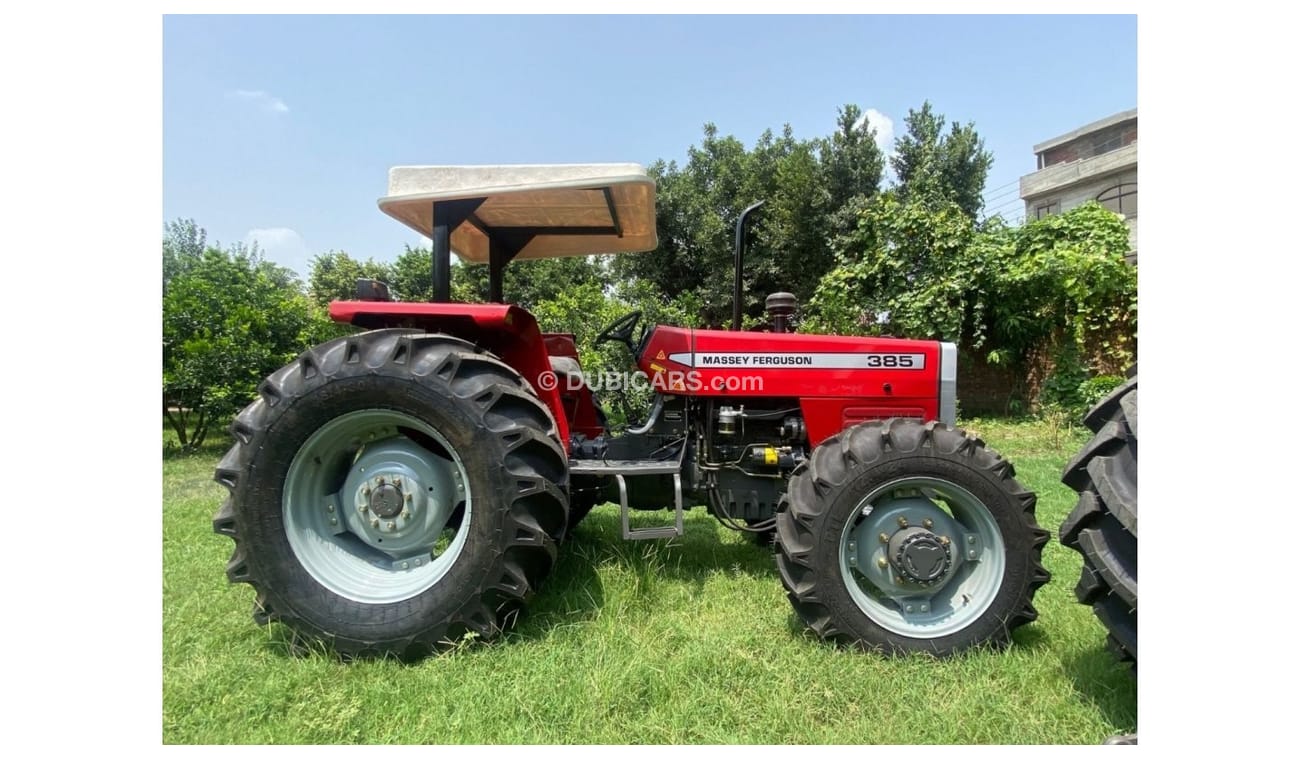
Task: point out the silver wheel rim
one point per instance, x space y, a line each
377 506
896 602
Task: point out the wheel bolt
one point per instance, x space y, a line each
374 523
361 508
391 525
944 540
902 522
925 608
970 539
882 563
909 608
928 523
408 497
333 521
329 508
405 565
884 538
970 555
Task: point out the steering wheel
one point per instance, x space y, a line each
621 330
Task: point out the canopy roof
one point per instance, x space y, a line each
546 210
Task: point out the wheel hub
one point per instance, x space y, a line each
386 500
920 555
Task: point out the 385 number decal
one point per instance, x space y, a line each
897 361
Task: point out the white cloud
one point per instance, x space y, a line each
262 99
884 127
283 246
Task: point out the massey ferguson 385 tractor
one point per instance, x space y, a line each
411 484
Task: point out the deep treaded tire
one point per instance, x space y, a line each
513 470
828 496
1103 525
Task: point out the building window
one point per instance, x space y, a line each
1047 209
1122 199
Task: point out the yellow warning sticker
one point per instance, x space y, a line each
661 354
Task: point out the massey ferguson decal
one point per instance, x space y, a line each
765 360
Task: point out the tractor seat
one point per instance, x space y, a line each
566 365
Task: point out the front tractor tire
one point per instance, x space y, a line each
902 536
392 492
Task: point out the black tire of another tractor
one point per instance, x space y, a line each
505 438
824 494
1103 525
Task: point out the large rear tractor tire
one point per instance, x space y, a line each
902 536
1103 525
392 492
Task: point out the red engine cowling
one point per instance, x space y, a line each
839 381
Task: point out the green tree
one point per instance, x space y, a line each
229 320
852 166
803 182
910 269
934 167
1057 288
334 276
183 244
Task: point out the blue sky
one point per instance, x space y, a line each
282 128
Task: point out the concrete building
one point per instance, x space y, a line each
1097 161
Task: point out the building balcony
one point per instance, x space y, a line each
1058 176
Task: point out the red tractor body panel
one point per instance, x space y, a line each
508 331
839 381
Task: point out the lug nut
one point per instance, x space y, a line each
405 565
884 538
902 522
391 525
329 508
925 608
333 521
970 539
374 523
944 540
361 508
970 555
408 497
882 563
909 608
406 514
928 523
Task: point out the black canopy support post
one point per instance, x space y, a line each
447 216
736 290
504 243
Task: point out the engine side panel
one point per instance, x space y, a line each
839 380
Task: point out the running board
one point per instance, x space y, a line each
621 469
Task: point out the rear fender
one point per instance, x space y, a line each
507 331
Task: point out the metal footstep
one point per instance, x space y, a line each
666 531
626 468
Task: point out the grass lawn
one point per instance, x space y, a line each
691 641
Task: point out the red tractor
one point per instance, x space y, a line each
410 484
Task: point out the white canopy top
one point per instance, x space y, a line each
558 209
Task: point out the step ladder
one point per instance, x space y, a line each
621 470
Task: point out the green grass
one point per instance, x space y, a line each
636 642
